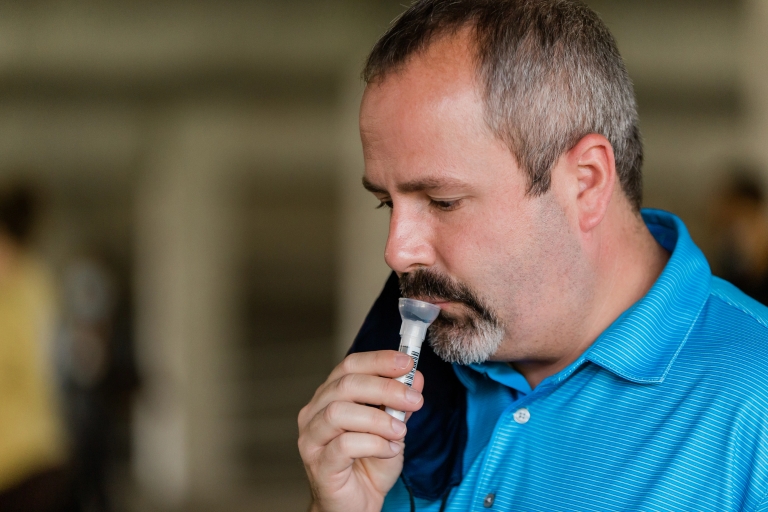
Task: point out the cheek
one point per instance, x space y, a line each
507 238
521 256
456 247
487 250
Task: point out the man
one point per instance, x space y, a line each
596 363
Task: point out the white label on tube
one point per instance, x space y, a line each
411 346
413 351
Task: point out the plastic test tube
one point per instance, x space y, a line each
417 317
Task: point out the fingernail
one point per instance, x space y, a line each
398 426
402 361
394 446
412 396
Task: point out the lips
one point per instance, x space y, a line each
439 301
449 306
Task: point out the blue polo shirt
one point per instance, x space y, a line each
667 410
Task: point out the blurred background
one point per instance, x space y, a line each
186 250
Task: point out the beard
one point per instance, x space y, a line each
472 337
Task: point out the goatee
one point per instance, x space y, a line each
467 338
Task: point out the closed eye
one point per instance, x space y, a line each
446 206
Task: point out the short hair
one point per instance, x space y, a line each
744 185
18 208
551 73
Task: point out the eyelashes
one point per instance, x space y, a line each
445 206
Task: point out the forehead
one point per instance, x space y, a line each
438 76
427 115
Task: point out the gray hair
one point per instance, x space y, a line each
551 73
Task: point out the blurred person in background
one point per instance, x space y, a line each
32 442
741 226
98 373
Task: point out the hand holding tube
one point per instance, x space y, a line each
353 453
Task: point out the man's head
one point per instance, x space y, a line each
490 128
549 70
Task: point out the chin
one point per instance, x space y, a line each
465 340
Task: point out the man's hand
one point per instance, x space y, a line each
353 453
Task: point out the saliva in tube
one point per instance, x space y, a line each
417 316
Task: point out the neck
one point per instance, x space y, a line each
627 261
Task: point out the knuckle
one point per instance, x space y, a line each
386 360
347 383
348 365
344 442
392 387
309 454
305 447
302 443
382 358
382 421
302 418
332 412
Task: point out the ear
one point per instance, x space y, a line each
590 169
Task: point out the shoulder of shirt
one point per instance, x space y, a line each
735 298
732 341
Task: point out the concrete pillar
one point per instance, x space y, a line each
183 310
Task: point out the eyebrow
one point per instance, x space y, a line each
414 185
370 187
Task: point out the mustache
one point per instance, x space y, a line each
425 283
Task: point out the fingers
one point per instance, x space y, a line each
367 379
361 390
386 363
339 405
340 417
369 389
345 448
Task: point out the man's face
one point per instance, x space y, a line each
463 232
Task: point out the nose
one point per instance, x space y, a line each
409 244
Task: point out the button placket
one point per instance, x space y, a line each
521 415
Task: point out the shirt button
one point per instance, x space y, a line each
522 415
488 501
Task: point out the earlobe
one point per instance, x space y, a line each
595 170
